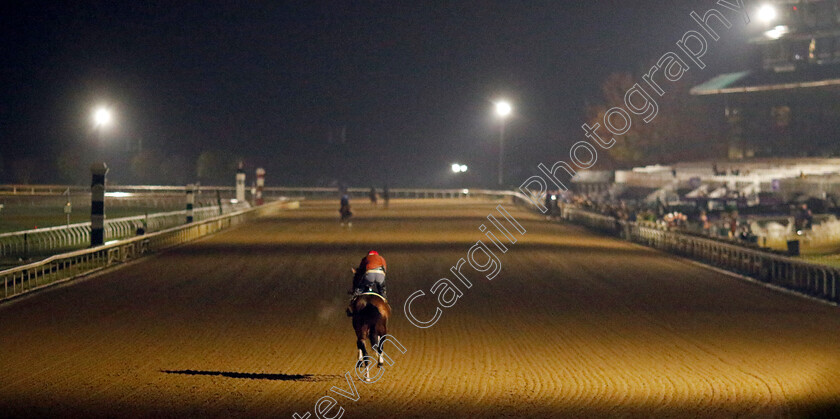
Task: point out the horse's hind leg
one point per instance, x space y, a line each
380 332
363 359
374 343
360 345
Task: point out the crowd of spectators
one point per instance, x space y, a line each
721 224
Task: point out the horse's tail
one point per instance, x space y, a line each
360 305
377 306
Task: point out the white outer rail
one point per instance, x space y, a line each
62 238
53 239
308 191
60 268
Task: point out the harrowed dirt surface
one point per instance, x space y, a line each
250 322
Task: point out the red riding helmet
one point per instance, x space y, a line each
373 252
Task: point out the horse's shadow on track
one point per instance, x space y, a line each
257 376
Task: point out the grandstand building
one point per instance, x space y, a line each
787 104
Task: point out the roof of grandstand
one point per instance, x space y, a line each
770 80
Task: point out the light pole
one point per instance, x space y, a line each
102 117
503 110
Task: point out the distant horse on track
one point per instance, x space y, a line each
370 312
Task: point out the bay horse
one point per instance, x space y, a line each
370 312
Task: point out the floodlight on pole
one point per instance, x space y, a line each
767 13
102 117
503 110
459 168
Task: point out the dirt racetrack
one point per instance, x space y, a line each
251 322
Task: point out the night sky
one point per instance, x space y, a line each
410 84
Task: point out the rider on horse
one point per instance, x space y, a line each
370 310
370 275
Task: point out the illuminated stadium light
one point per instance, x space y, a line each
102 117
503 108
767 13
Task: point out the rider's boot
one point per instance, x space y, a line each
382 290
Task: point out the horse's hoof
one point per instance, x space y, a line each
379 364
